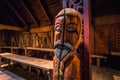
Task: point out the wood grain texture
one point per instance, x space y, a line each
36 62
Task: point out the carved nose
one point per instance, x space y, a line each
64 36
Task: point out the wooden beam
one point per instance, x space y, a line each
16 13
42 7
111 19
41 29
7 27
29 13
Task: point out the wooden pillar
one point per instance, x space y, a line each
86 18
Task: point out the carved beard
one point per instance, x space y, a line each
62 48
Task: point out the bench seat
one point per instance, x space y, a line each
30 61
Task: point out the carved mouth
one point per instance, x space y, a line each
64 46
62 49
59 46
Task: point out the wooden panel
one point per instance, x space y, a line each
101 39
116 38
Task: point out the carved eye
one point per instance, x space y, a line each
58 29
71 28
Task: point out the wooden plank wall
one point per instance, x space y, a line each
106 34
37 37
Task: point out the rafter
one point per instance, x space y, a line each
16 13
43 9
29 13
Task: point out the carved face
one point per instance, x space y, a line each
70 32
67 34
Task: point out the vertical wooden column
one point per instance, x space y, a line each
86 18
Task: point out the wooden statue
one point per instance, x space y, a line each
67 38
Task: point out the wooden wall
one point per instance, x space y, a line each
106 34
37 37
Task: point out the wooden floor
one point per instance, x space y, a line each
104 73
98 73
6 75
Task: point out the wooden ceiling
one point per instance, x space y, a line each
101 8
28 14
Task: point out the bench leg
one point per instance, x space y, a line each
0 62
50 73
98 62
29 68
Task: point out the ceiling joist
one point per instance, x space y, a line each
43 9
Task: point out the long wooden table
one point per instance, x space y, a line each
35 62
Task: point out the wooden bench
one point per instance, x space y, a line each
30 61
6 75
115 53
116 77
98 58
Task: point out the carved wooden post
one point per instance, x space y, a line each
82 6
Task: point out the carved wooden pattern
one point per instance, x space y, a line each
76 4
2 40
5 39
42 40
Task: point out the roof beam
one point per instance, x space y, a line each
45 12
29 13
16 13
7 27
